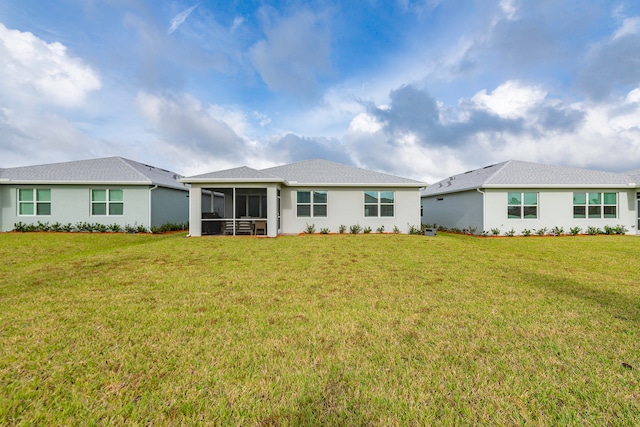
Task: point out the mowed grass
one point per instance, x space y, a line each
319 330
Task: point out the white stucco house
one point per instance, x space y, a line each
284 199
525 196
107 191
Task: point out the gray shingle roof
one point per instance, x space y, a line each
108 170
243 173
315 172
526 174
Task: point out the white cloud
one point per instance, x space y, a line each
629 26
511 99
34 71
179 19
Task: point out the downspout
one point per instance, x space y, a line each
484 210
150 190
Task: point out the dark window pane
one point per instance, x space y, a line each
44 208
514 212
304 210
116 208
304 197
319 197
99 209
386 210
594 212
579 212
609 211
320 210
254 206
370 210
531 212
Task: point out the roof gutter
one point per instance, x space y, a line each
561 186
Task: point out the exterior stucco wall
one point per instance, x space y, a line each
456 210
72 204
169 206
345 206
555 209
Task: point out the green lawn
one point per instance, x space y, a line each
99 329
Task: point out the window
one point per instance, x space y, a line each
252 205
379 203
107 202
312 204
33 201
522 205
595 205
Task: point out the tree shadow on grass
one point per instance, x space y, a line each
618 305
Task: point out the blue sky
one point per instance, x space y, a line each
421 89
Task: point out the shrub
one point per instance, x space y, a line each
311 228
620 229
142 229
43 226
67 228
355 229
380 229
129 229
56 226
472 230
367 230
510 233
396 230
526 232
541 231
342 228
591 230
484 233
575 230
100 227
495 231
414 230
557 231
324 230
609 230
114 228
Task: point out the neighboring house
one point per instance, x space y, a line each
106 191
521 195
285 199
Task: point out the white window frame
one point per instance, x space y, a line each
107 201
34 201
313 204
602 205
524 205
379 204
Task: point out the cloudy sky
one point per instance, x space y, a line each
421 89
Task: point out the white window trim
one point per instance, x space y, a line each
107 202
311 203
379 203
602 204
35 202
523 205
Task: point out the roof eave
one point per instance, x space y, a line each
629 185
229 180
356 184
